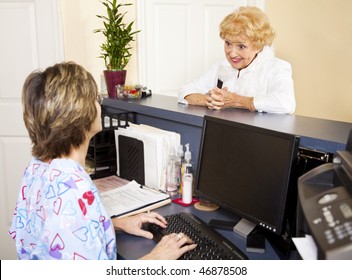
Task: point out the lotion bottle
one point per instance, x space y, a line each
187 177
187 180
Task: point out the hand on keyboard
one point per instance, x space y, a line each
133 224
210 244
171 247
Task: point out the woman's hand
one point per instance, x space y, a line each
216 98
133 224
171 247
221 98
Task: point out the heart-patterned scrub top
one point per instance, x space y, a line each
59 214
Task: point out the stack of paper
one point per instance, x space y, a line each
158 145
132 198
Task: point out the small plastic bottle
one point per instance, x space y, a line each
171 184
187 179
179 161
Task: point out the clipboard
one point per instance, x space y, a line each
131 199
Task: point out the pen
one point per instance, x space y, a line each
151 189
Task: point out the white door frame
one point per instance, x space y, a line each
31 39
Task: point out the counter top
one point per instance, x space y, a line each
167 107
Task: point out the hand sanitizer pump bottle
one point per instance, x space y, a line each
187 163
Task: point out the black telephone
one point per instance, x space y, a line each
325 195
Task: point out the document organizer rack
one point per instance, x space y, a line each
101 155
131 159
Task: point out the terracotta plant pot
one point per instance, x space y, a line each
112 79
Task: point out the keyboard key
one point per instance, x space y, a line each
210 244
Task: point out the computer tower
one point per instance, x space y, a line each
308 159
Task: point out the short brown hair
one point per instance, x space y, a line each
58 109
250 22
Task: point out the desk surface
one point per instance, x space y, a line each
132 247
167 107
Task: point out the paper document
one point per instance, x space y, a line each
109 183
157 144
306 247
131 197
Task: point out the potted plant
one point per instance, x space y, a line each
115 50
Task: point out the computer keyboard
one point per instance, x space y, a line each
210 244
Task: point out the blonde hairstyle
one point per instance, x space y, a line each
59 109
249 22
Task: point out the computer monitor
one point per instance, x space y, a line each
246 170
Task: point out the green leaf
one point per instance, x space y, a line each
118 34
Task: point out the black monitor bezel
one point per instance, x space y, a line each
294 144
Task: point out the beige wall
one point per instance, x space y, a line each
82 45
315 36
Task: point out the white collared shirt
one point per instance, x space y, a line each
268 79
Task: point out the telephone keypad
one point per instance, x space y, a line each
339 232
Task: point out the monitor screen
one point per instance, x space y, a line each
246 169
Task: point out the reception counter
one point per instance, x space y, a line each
166 113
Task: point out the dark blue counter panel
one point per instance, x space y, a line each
164 112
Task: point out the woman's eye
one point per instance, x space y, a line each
242 47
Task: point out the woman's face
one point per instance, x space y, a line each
239 52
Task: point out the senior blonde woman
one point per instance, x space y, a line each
251 77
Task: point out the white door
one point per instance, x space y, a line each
179 39
30 39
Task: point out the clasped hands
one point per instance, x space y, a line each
218 99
